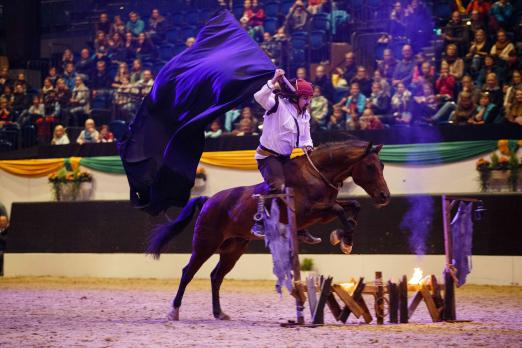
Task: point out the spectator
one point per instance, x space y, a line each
60 136
272 48
485 112
63 96
230 119
215 130
129 46
404 70
47 86
495 93
105 135
124 98
116 47
246 113
378 102
477 51
4 79
51 106
6 115
300 73
323 81
4 226
297 18
135 25
400 103
477 22
353 105
80 101
89 134
481 6
100 80
20 101
488 68
385 86
465 109
516 83
426 74
500 15
246 127
256 18
67 57
365 84
315 6
190 41
157 27
369 121
387 65
85 65
349 69
455 64
445 84
122 73
425 104
514 114
318 109
456 33
118 26
145 49
337 120
144 85
100 43
8 95
502 46
53 75
37 108
103 24
513 62
69 75
467 85
20 80
397 25
136 71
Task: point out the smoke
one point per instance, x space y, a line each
418 220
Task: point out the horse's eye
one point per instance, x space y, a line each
370 167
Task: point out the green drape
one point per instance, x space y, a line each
106 164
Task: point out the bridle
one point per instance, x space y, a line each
325 179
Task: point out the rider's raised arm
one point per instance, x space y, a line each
265 97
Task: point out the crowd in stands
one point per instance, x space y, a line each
475 80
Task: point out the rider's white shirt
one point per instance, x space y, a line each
279 128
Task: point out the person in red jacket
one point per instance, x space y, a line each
445 85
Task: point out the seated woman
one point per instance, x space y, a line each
455 64
59 136
485 112
106 135
425 104
478 50
400 103
465 109
369 121
318 109
502 46
514 114
353 105
89 134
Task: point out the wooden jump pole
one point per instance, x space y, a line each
449 293
292 227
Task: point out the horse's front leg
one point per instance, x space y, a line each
347 212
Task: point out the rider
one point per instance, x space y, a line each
286 126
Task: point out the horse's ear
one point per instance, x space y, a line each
376 148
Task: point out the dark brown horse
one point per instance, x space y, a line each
224 222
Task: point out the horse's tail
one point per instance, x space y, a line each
162 234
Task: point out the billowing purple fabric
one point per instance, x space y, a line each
222 69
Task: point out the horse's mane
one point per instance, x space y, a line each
332 145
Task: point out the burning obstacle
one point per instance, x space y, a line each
345 299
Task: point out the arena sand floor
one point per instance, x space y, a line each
66 312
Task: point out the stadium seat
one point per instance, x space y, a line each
320 21
192 17
317 39
271 9
270 25
28 136
285 7
187 32
166 52
237 11
173 35
177 18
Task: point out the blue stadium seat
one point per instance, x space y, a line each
192 17
270 25
320 21
318 39
285 7
177 18
173 35
237 10
187 32
204 15
271 9
166 52
178 48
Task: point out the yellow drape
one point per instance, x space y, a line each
32 167
243 159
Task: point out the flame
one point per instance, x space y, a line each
348 286
417 276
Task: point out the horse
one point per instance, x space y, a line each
225 219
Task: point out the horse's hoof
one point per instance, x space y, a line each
335 238
346 248
222 316
173 314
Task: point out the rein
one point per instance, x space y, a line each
325 179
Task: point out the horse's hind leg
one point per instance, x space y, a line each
230 252
200 254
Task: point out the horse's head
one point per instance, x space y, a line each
368 173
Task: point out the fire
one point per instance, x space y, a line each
417 276
348 286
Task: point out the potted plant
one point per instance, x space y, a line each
307 268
